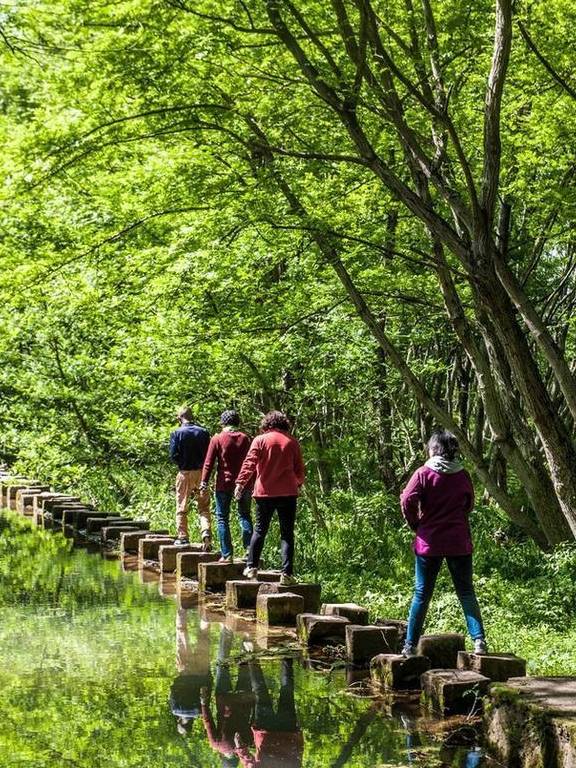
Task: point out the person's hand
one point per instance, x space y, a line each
237 740
238 491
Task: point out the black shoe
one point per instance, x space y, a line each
182 541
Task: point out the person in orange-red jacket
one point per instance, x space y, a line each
275 459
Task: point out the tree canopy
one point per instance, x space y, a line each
358 211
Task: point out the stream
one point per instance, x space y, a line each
101 666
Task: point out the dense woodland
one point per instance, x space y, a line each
358 211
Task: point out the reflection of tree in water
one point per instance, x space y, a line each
457 750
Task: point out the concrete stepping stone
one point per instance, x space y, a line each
212 577
167 554
365 642
187 563
12 490
454 691
309 592
242 594
269 576
129 540
356 613
276 609
149 546
42 499
25 500
315 629
392 671
497 666
531 721
112 533
442 649
95 524
76 518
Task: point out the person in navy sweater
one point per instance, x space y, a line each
228 450
188 447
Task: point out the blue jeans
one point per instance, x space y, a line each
223 503
427 569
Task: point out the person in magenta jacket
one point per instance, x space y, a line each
436 504
275 460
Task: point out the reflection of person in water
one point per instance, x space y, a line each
277 735
233 708
194 680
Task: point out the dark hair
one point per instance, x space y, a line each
443 443
275 420
230 419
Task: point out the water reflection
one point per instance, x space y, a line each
99 671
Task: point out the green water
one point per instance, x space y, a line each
98 669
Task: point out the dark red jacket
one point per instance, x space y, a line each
436 506
275 458
228 449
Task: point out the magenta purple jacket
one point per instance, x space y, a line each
436 506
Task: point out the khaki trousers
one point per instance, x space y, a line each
187 485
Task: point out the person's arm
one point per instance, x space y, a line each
299 467
410 500
248 469
209 461
471 492
174 446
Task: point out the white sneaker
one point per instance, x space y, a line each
480 647
287 581
251 573
409 650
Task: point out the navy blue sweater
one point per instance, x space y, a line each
188 446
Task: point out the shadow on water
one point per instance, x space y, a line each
98 669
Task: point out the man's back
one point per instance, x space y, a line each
188 446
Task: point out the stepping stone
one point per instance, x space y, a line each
531 721
129 540
497 666
13 488
24 495
95 524
309 592
76 518
187 563
25 501
315 629
111 533
391 671
242 594
400 624
278 609
356 613
212 577
442 650
149 547
454 691
269 576
363 643
167 554
272 638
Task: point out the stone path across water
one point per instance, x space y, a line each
528 721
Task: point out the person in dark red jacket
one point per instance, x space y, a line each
436 504
275 459
228 450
